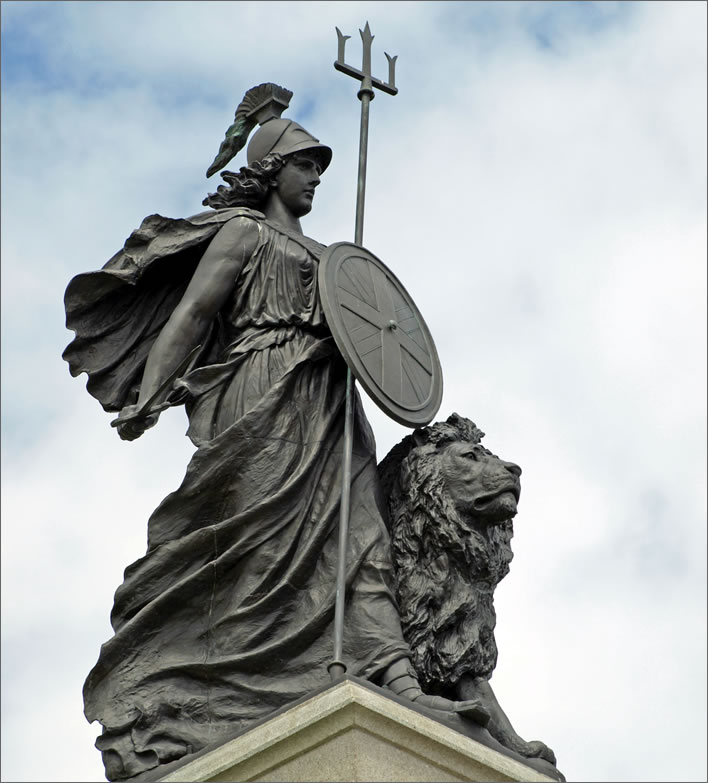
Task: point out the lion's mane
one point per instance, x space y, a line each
447 564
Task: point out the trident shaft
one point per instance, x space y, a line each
337 668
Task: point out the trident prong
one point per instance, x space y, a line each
366 41
391 70
341 40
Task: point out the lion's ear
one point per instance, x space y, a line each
465 427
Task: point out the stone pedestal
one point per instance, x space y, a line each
351 731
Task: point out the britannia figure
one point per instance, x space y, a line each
229 614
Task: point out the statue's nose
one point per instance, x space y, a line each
513 468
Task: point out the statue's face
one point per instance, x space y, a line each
479 483
296 182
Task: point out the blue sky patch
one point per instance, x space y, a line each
547 23
550 22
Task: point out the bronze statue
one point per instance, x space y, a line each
451 503
229 614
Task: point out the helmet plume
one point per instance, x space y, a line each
259 104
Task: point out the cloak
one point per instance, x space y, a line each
118 311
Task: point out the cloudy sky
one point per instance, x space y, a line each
538 184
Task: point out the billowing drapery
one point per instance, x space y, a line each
229 615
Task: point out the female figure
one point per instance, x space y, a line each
229 615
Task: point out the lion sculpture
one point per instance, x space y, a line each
450 509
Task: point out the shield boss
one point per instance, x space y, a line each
380 333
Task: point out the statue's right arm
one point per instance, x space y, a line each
211 284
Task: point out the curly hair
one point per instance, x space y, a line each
446 566
248 188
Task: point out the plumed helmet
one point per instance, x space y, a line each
263 105
285 137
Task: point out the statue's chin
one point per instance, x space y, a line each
497 508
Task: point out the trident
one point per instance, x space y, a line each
337 667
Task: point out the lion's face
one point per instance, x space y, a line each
479 483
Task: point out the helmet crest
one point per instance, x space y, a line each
263 105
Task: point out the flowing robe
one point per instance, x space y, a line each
229 615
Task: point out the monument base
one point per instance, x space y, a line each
352 731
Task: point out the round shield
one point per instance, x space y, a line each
380 333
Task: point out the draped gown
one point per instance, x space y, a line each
229 615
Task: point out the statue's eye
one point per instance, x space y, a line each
471 455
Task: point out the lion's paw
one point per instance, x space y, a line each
539 750
470 708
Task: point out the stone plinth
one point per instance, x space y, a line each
352 732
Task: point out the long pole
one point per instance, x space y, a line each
337 667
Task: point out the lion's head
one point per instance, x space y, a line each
450 504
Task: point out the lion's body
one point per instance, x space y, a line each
446 598
450 504
448 557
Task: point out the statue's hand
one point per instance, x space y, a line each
134 428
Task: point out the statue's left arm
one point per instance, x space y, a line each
213 281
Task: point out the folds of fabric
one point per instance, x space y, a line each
118 311
229 615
